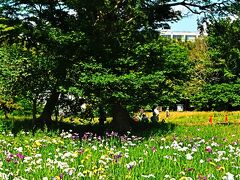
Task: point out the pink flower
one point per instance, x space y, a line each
81 151
20 156
208 149
154 149
9 157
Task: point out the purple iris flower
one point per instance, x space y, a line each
20 156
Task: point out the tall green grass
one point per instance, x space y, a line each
151 151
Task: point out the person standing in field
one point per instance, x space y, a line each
167 112
155 116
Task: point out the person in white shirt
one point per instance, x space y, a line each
155 116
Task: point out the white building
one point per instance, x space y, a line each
180 35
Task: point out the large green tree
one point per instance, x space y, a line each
24 74
223 40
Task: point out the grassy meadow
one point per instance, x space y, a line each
185 147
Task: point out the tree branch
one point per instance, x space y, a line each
191 5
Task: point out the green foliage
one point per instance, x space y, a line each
23 71
218 97
223 40
8 105
221 67
156 72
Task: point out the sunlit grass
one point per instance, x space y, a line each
200 118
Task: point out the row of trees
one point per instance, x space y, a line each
108 53
221 65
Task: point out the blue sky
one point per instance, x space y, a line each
186 24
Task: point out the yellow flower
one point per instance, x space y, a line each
221 168
88 156
28 148
61 142
95 171
57 177
86 172
37 144
101 169
75 154
86 150
128 176
185 178
94 167
213 164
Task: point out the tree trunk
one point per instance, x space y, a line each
56 112
34 109
47 112
121 119
102 115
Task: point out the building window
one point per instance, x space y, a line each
178 37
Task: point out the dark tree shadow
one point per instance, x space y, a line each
141 129
147 130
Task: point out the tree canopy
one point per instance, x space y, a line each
220 91
108 51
